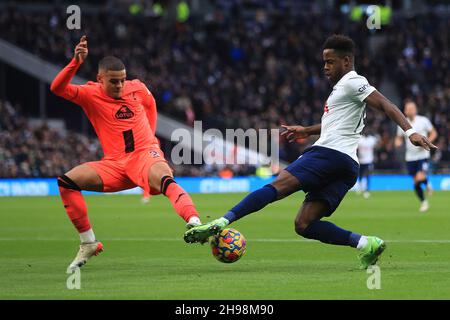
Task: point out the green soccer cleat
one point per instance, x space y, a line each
202 232
371 252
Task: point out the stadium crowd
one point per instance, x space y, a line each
28 150
256 72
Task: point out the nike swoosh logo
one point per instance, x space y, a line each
182 194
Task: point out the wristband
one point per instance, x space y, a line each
410 132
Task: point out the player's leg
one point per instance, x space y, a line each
320 204
82 177
145 197
160 178
100 176
367 173
361 181
309 225
420 179
284 185
414 168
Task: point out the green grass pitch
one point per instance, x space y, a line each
146 258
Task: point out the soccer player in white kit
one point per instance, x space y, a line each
366 147
417 158
329 168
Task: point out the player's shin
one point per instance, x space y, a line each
328 232
76 208
255 201
419 191
180 199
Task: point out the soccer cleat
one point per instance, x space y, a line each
87 250
366 195
371 252
145 200
424 206
202 232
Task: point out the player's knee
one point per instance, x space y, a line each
67 183
300 226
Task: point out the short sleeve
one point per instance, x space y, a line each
428 124
359 88
400 132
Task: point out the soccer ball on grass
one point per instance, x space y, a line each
228 246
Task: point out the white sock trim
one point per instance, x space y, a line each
87 236
362 242
195 220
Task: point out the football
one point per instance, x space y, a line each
228 246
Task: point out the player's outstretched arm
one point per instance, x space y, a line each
293 133
61 84
377 101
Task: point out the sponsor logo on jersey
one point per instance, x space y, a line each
364 87
124 113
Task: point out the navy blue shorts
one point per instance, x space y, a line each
365 169
416 166
325 174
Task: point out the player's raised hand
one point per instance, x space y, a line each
81 50
293 133
421 141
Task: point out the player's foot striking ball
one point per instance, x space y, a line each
202 232
327 170
228 246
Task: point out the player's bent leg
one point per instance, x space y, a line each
160 177
309 225
284 185
86 178
70 186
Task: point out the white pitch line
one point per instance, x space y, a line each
249 240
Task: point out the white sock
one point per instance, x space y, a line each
362 242
194 220
87 236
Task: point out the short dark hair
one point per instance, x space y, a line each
343 45
111 63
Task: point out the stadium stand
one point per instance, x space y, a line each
258 70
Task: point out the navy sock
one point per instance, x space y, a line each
419 191
253 202
327 232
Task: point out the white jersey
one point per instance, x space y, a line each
423 126
344 113
366 145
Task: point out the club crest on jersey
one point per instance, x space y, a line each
124 113
154 154
325 108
